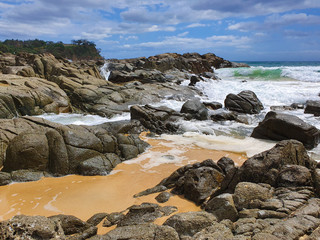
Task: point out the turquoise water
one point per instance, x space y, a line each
283 63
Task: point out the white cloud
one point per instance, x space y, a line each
194 25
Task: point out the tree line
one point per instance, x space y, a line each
78 49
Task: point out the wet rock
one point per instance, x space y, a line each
188 224
31 227
97 165
71 224
26 175
224 116
5 178
159 120
246 192
213 105
313 107
195 108
244 102
163 197
194 80
275 127
96 218
222 207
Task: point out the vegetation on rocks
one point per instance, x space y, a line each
78 50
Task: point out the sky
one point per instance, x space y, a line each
237 30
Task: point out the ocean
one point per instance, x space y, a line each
275 84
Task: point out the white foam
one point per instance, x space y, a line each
81 119
248 145
104 71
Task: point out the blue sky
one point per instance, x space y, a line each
236 30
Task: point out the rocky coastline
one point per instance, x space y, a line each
273 195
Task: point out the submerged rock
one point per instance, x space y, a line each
280 126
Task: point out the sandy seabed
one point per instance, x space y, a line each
84 196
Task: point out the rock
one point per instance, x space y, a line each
27 151
195 108
217 231
142 232
226 164
97 165
26 175
194 80
30 96
294 176
163 197
96 218
140 214
41 147
71 224
213 105
222 207
31 227
246 192
264 167
86 234
190 223
199 183
244 102
5 178
112 219
275 126
159 120
313 107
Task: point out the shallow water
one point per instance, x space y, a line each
84 196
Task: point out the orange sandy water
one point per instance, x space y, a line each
83 196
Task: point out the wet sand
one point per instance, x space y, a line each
84 196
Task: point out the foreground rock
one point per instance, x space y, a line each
39 147
244 102
274 195
280 126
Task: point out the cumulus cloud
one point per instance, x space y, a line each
276 21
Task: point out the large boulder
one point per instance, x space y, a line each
280 126
266 166
244 102
27 151
195 108
32 147
196 182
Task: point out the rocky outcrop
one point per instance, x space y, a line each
21 96
156 68
244 102
35 144
280 126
